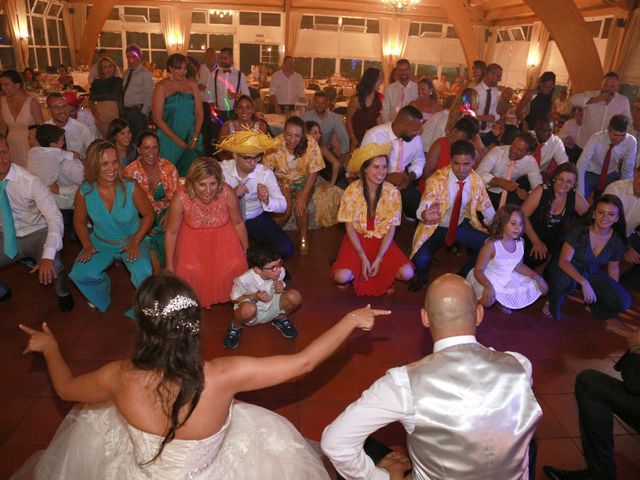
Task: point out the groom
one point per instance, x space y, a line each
468 410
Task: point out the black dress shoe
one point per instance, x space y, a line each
66 303
557 474
415 285
6 296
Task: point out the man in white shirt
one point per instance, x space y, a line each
568 134
257 190
207 70
31 227
511 168
137 91
600 106
406 160
628 191
400 93
227 84
287 87
608 156
77 135
488 96
469 411
550 150
83 115
635 129
330 123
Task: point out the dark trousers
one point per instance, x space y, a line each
511 196
264 227
410 200
591 182
573 153
632 276
138 121
465 235
612 298
207 129
599 397
217 121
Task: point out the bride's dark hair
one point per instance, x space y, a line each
169 343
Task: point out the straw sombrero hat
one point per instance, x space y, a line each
248 141
362 154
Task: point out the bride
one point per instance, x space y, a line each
167 414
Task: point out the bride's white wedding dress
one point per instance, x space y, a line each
95 442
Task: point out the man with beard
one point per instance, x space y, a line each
330 123
511 171
400 93
406 160
77 135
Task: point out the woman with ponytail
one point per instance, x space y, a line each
167 414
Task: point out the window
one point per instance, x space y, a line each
323 67
372 64
307 22
47 35
373 26
199 42
270 19
270 56
303 66
594 28
249 18
426 70
414 30
517 34
198 17
138 38
350 68
607 27
142 15
7 57
451 32
220 41
220 17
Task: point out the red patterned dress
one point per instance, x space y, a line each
208 255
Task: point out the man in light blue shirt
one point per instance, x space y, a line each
330 122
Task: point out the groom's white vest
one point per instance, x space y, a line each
475 414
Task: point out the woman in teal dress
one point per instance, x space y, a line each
121 216
159 180
177 112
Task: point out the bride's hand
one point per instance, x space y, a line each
365 317
39 341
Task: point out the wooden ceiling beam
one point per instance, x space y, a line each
99 14
461 17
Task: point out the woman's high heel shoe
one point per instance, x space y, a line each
304 246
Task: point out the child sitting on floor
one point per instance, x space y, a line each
500 274
259 297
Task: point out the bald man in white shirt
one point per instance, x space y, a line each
462 398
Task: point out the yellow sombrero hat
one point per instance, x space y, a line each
362 154
248 141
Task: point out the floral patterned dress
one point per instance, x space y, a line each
208 254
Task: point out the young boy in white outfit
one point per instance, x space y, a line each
259 295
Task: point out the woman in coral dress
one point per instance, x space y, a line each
370 209
206 238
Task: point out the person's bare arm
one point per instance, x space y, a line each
352 108
174 222
529 206
236 216
433 156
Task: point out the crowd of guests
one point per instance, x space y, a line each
207 193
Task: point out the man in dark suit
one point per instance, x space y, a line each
599 397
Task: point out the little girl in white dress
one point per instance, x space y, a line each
500 274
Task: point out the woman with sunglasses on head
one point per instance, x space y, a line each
165 413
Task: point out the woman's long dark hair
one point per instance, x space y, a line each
566 167
369 79
372 204
169 344
301 148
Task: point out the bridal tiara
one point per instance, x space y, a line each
177 303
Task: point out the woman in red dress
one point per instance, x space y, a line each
370 209
206 238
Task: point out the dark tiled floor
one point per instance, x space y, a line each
30 412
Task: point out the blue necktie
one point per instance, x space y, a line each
8 228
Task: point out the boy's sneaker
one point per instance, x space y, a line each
232 338
285 327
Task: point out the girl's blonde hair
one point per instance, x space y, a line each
502 217
108 60
203 167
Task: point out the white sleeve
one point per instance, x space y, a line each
368 138
388 400
49 210
628 159
277 201
417 162
581 99
559 153
386 106
148 94
487 164
533 174
244 88
238 289
583 162
71 171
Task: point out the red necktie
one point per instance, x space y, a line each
605 170
455 215
538 154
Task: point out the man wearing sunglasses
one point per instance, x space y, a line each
256 187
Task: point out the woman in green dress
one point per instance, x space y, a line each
177 112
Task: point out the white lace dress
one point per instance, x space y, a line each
95 443
513 290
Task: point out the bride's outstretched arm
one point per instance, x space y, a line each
252 373
94 386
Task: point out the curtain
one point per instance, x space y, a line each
293 27
176 27
17 19
394 35
537 51
67 18
629 44
614 44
